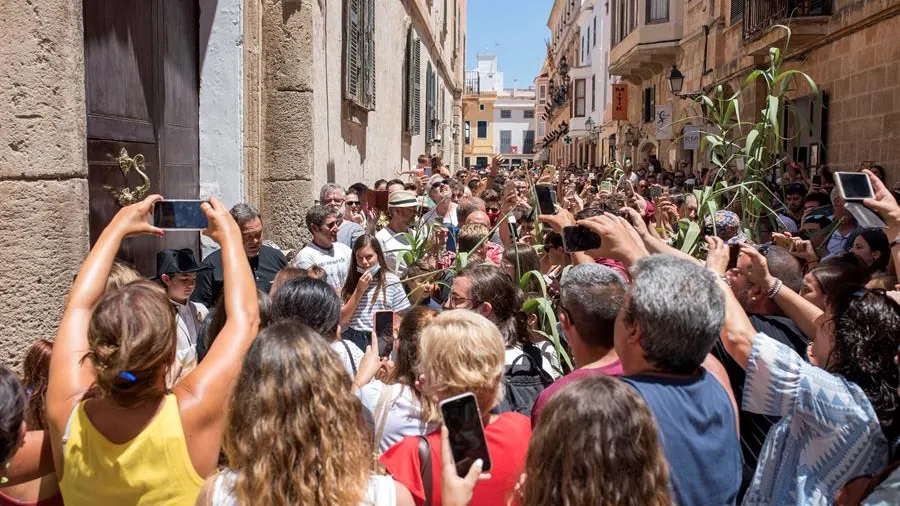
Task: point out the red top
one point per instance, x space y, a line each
507 441
613 369
56 500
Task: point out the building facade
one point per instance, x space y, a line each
560 107
258 102
842 44
496 120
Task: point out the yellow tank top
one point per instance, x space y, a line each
154 468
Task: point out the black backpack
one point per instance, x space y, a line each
524 381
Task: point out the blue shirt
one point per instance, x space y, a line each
828 433
698 432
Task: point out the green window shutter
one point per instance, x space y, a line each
353 58
413 82
369 99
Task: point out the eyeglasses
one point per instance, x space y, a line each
352 202
457 301
493 209
333 224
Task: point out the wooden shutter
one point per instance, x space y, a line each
353 59
429 104
413 83
369 40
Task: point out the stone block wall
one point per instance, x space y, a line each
43 169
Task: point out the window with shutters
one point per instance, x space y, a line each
595 32
468 135
505 114
528 143
413 83
528 114
359 58
505 141
593 93
649 109
430 119
482 129
542 97
579 98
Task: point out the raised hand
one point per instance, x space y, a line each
135 219
221 223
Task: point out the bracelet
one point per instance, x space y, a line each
776 287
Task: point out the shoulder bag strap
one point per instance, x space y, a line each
349 357
381 412
425 466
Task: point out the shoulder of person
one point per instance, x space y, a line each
343 248
513 421
271 251
213 259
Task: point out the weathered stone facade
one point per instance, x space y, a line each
43 185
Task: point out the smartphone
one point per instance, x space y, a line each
579 238
854 185
655 191
179 215
384 332
546 197
467 442
606 186
783 242
817 180
734 251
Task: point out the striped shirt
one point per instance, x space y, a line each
396 301
828 433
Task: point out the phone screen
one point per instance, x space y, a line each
734 251
179 215
384 331
467 442
606 186
546 199
579 238
855 185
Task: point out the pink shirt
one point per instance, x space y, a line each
613 369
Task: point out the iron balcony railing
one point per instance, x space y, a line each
759 15
473 82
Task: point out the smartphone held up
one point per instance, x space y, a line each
466 432
579 238
179 215
384 332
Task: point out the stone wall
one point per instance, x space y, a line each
43 169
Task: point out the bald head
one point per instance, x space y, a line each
479 217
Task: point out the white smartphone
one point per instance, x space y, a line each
854 186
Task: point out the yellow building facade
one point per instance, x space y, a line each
478 113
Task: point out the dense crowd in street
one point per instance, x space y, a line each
757 368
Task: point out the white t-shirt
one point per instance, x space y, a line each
403 416
448 219
550 362
380 490
335 261
393 245
350 355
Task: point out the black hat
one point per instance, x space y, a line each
177 261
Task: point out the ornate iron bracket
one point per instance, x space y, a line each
127 196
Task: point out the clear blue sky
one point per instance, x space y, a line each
514 30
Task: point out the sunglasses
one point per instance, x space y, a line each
352 202
493 209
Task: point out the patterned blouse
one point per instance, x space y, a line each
828 435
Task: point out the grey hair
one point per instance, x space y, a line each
328 187
243 212
835 196
592 295
316 215
680 310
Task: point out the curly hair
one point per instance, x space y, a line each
866 330
606 424
132 330
295 433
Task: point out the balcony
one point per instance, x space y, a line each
646 34
473 82
808 20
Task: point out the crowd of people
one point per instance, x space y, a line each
757 369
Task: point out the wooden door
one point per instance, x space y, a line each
142 94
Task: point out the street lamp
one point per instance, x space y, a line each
563 67
589 125
676 83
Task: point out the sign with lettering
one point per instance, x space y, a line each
620 102
663 122
691 137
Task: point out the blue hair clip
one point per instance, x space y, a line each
127 376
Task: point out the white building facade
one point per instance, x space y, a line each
514 126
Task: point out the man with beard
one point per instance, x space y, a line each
768 318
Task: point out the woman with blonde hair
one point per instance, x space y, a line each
461 351
295 433
398 407
134 442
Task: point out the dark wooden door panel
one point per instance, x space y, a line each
142 93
